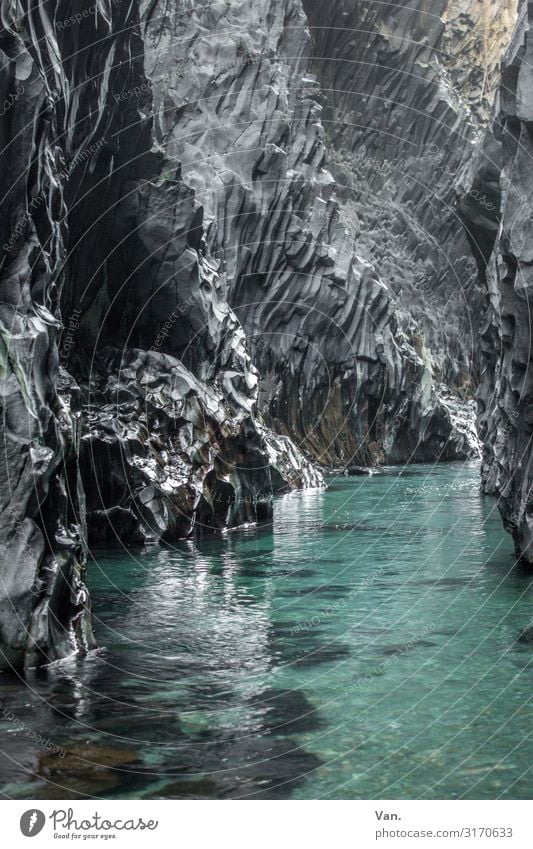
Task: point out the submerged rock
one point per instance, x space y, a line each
83 771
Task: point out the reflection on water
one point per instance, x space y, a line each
365 646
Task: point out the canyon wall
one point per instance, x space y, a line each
230 251
325 157
129 399
506 386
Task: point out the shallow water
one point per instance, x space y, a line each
364 646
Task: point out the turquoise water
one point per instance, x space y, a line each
364 646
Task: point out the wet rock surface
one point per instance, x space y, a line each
505 397
207 284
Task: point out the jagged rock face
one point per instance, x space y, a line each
506 389
185 286
43 600
129 397
476 34
342 368
408 86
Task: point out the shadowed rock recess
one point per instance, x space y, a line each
231 254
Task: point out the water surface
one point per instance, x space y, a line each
364 646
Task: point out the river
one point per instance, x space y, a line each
364 645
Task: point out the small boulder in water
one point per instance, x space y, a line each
527 636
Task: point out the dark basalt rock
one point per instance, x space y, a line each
526 636
357 471
168 456
351 356
129 398
505 397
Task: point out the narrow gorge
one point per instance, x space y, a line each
250 249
